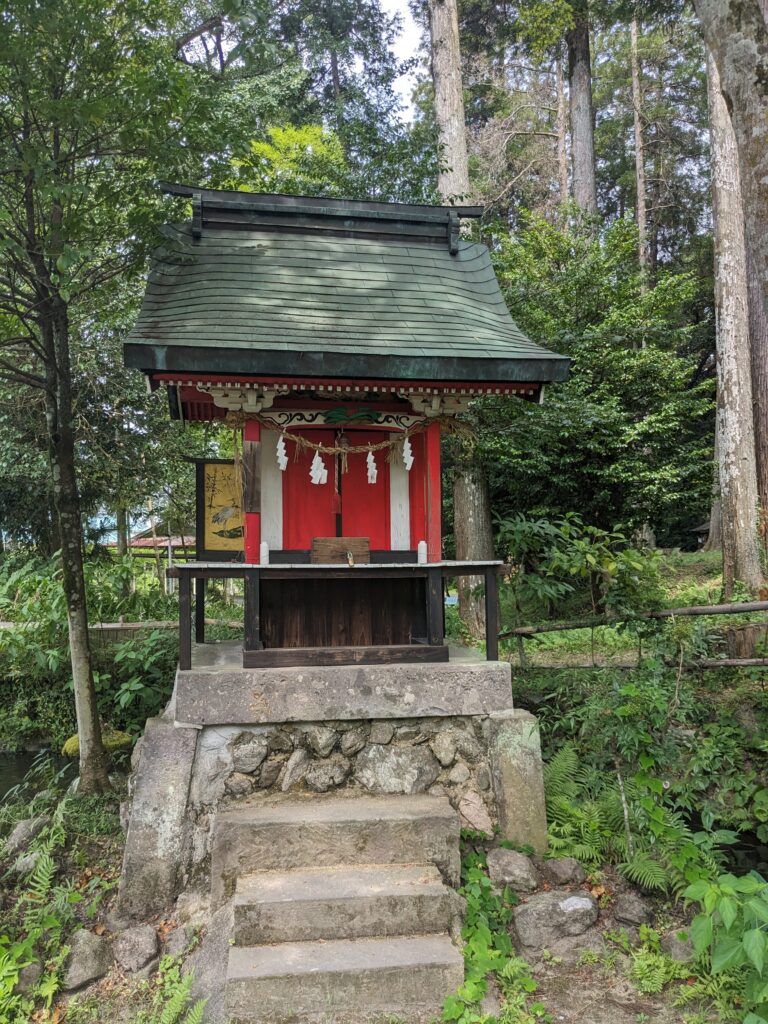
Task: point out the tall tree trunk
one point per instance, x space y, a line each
561 128
714 541
735 424
156 546
582 113
473 535
121 525
453 176
758 337
640 208
470 493
736 32
58 413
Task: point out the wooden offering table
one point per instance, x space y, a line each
307 614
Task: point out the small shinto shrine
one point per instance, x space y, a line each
342 338
300 801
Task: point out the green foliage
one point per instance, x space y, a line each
651 969
170 1003
625 440
133 678
553 560
597 817
45 904
488 949
730 931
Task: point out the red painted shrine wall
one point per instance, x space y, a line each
365 507
308 509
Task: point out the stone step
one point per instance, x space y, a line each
296 832
345 901
347 980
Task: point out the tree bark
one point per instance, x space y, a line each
561 129
640 204
473 535
582 114
58 412
735 424
714 541
121 525
758 337
453 176
736 32
472 515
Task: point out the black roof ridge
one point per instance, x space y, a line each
329 205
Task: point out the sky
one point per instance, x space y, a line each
407 45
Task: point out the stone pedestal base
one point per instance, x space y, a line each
440 729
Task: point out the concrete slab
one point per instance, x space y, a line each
346 901
296 832
218 695
358 979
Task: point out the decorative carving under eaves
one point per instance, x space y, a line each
438 405
242 399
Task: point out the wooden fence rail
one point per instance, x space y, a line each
740 608
663 613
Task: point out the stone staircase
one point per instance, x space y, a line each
341 911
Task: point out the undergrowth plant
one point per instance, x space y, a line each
488 949
601 818
731 933
46 890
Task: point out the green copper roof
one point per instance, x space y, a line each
272 285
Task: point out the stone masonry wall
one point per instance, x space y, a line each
445 756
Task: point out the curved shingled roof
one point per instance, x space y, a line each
279 285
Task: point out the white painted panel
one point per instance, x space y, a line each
271 492
399 505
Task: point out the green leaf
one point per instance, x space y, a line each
728 910
701 932
758 908
753 942
728 952
697 890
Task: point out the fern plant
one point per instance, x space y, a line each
170 1004
598 819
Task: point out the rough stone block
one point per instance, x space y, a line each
24 832
135 947
474 813
90 957
348 692
563 871
508 867
396 769
550 916
518 777
154 846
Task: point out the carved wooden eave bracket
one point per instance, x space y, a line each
438 405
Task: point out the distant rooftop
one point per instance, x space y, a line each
290 285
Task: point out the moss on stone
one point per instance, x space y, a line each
114 742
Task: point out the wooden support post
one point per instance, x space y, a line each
200 588
434 494
185 622
252 612
252 489
491 613
435 607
